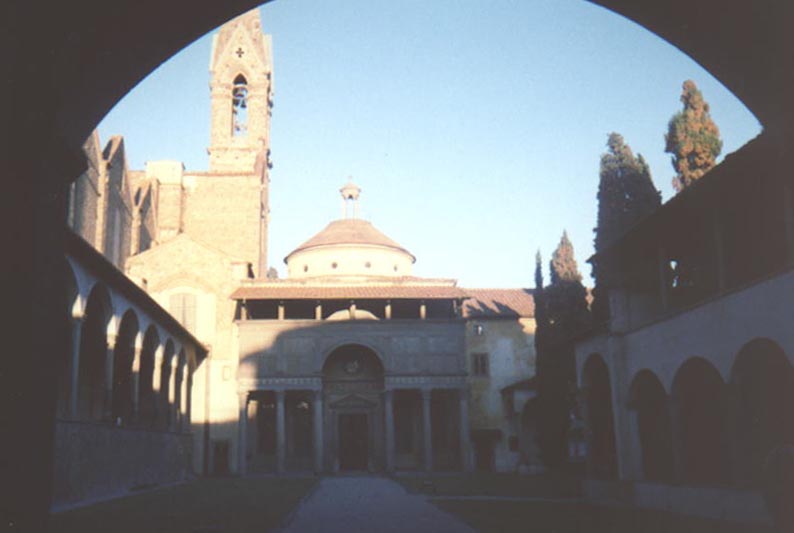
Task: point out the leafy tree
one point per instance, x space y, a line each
692 138
625 194
561 312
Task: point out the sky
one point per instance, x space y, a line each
474 127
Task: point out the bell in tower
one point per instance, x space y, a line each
242 95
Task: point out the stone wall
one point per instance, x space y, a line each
223 211
510 347
99 461
299 347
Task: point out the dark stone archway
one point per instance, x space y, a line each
75 63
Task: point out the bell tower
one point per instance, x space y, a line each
241 88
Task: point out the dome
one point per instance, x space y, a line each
349 247
349 231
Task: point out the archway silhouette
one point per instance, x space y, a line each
79 63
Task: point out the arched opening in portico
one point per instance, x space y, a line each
700 416
167 393
649 400
762 390
93 355
123 355
602 456
147 398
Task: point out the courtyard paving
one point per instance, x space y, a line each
368 504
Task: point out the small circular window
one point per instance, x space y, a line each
395 268
305 268
333 265
368 264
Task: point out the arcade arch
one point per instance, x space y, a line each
91 385
699 397
762 390
649 399
602 458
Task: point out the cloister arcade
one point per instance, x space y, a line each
125 385
124 368
702 430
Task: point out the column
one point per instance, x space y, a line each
318 431
189 399
465 445
352 310
172 393
422 311
242 427
157 376
318 310
388 404
136 378
183 398
387 310
107 408
281 310
280 432
426 430
74 365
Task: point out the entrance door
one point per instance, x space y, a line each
353 442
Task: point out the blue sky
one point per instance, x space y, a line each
473 127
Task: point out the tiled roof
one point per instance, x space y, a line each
361 292
499 303
349 231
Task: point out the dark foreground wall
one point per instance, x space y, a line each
98 461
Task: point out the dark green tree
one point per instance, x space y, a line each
625 195
561 313
693 138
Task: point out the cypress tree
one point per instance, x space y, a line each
692 138
625 194
562 314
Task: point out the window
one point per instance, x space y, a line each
478 329
240 107
183 307
479 363
333 265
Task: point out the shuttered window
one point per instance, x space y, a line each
183 307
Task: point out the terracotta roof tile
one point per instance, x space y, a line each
499 302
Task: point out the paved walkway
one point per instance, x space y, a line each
368 504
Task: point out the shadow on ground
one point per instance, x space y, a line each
207 505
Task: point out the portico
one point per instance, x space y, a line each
370 423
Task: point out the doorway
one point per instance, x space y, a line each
353 441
